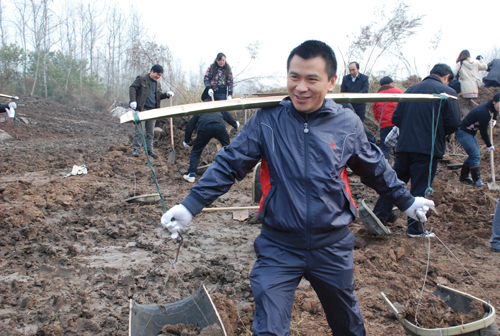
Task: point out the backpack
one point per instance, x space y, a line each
455 82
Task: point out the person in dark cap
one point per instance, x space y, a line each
416 121
382 111
145 94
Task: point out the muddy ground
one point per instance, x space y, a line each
73 253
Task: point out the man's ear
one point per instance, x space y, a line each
332 81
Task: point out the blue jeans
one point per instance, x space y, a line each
414 167
471 146
277 273
495 228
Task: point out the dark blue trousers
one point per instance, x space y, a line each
414 167
278 271
204 135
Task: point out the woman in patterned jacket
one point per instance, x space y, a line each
219 77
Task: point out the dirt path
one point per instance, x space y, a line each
72 253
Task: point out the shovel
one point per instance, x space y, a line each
492 185
171 156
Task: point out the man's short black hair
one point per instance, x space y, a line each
356 64
157 68
442 70
496 97
312 48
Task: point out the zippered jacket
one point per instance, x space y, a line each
202 120
139 91
306 200
415 119
385 109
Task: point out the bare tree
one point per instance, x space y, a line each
382 37
2 31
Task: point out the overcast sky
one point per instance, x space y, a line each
197 30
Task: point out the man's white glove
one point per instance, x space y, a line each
419 208
133 105
13 105
175 219
493 122
237 124
210 93
492 148
170 94
11 112
185 144
229 97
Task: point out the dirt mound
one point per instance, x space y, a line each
73 253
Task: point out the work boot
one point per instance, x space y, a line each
189 177
153 154
464 174
136 152
476 177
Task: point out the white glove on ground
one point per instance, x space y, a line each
419 208
229 97
210 93
185 144
170 94
181 217
490 148
13 105
493 122
133 105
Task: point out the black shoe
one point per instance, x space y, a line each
464 174
476 177
136 152
394 215
153 154
496 250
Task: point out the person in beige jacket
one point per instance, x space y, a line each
469 72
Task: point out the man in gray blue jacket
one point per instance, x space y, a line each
305 145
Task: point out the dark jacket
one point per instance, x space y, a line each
306 198
414 119
493 71
3 107
360 85
207 118
479 119
139 91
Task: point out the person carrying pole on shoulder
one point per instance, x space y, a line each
9 108
305 145
145 94
423 127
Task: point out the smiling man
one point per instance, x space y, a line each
305 145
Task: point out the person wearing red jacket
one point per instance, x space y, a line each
382 112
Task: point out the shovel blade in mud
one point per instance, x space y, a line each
197 309
171 157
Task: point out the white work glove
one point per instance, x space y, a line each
185 144
492 148
13 105
229 97
133 105
210 93
170 94
419 208
237 124
11 112
493 122
181 217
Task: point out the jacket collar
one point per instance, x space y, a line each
433 77
329 106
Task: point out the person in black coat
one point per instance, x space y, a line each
9 108
356 82
493 77
415 155
208 126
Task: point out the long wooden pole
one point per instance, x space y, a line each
264 102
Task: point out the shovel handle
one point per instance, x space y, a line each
492 155
171 127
